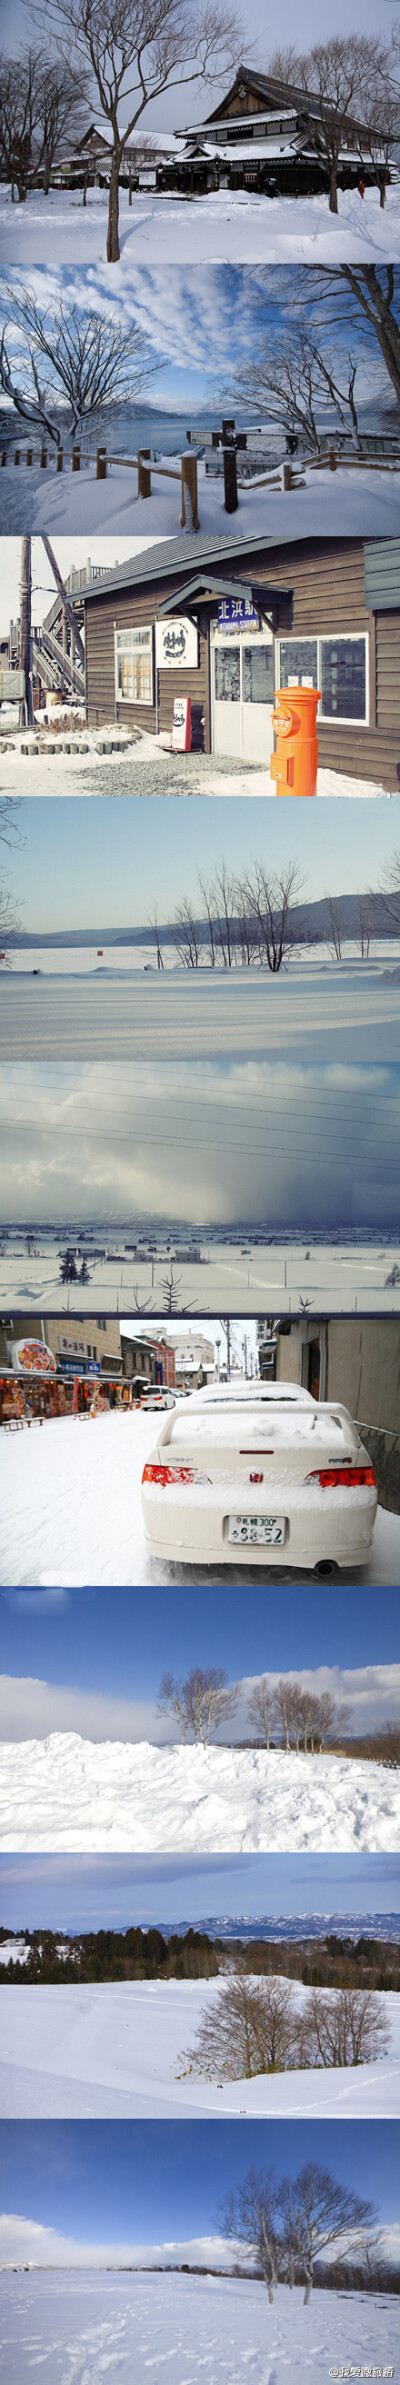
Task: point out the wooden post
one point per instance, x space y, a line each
189 512
25 619
144 476
76 459
17 452
29 455
287 476
4 455
332 460
60 459
230 479
101 463
43 459
130 191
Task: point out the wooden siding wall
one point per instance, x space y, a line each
327 578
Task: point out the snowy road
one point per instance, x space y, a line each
79 2328
65 1792
228 226
119 2052
71 1510
347 1015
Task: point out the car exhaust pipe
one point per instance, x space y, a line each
326 1568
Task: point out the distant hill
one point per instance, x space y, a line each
309 921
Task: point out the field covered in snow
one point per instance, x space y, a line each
320 1010
118 2052
147 769
72 1794
342 1279
71 1509
226 227
76 2328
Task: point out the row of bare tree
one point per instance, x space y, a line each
257 2027
251 922
205 1701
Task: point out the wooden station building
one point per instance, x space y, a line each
229 621
271 136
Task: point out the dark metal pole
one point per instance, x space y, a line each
26 624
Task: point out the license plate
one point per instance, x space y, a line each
268 1529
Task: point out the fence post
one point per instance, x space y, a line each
76 459
29 455
60 459
230 480
101 463
189 512
16 455
332 460
287 476
4 455
144 476
43 459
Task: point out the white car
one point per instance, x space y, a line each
260 1475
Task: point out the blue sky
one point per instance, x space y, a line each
161 2180
72 1892
124 857
122 1641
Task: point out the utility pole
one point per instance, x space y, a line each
26 624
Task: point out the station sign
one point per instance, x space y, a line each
237 612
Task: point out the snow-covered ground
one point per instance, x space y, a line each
71 1509
120 2052
146 769
340 1279
321 1010
234 226
355 501
78 2328
79 1795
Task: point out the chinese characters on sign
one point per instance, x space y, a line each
237 612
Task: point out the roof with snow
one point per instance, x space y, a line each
280 95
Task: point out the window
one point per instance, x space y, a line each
258 674
227 674
338 666
134 666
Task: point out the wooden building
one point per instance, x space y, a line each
229 621
270 135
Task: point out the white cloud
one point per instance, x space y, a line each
25 2240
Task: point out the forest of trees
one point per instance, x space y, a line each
135 1953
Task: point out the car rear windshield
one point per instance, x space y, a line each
243 1430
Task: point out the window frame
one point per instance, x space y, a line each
352 637
134 630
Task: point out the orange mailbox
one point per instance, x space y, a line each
295 764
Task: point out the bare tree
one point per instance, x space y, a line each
365 927
390 889
375 298
262 1708
62 98
294 378
345 2027
316 2214
82 359
250 2029
187 936
287 1709
224 898
9 823
269 902
250 2216
9 925
135 50
207 893
201 1703
319 1719
345 74
335 926
154 924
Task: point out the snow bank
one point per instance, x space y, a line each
190 2327
117 2052
328 1013
75 1794
228 226
352 502
72 1513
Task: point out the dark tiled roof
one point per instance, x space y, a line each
160 562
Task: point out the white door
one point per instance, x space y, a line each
242 675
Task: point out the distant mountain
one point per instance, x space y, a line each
275 1927
310 921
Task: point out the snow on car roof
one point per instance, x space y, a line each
219 1394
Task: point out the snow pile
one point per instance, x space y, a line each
76 1794
116 2051
355 501
219 2327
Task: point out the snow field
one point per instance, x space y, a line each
341 1282
353 501
115 2051
228 226
68 1793
77 2329
72 1513
341 1013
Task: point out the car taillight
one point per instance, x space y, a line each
166 1474
347 1478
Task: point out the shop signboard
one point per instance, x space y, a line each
70 1347
176 644
237 612
93 1366
30 1357
181 726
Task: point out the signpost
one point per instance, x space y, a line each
182 725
